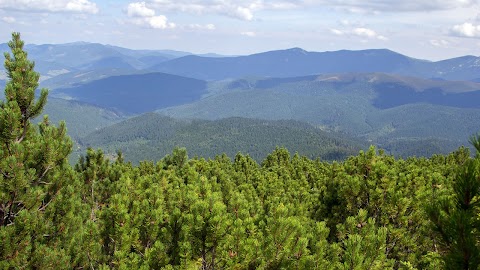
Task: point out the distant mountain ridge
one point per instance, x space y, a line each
285 63
298 62
52 59
55 59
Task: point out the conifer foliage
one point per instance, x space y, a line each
370 211
455 217
34 173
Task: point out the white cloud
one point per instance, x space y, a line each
144 16
240 9
226 7
337 32
350 23
282 5
74 6
155 22
364 32
466 30
243 14
210 26
360 32
345 22
8 19
160 22
439 43
81 6
384 38
389 6
246 9
248 34
201 27
139 9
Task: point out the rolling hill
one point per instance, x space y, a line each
77 78
81 118
152 136
138 93
362 105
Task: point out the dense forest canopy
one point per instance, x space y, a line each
369 211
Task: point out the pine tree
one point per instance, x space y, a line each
455 217
363 243
37 201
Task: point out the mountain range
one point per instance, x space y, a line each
56 59
405 105
297 62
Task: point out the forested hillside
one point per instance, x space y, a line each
83 118
382 109
369 211
151 136
157 90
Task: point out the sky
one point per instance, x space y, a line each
425 29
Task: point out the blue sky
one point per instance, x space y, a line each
432 29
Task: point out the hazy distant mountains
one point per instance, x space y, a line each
145 92
56 59
407 106
139 93
297 62
53 60
286 63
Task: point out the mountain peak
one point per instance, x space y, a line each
297 50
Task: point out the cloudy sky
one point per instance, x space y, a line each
427 29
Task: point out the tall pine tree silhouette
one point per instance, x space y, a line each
36 198
455 218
